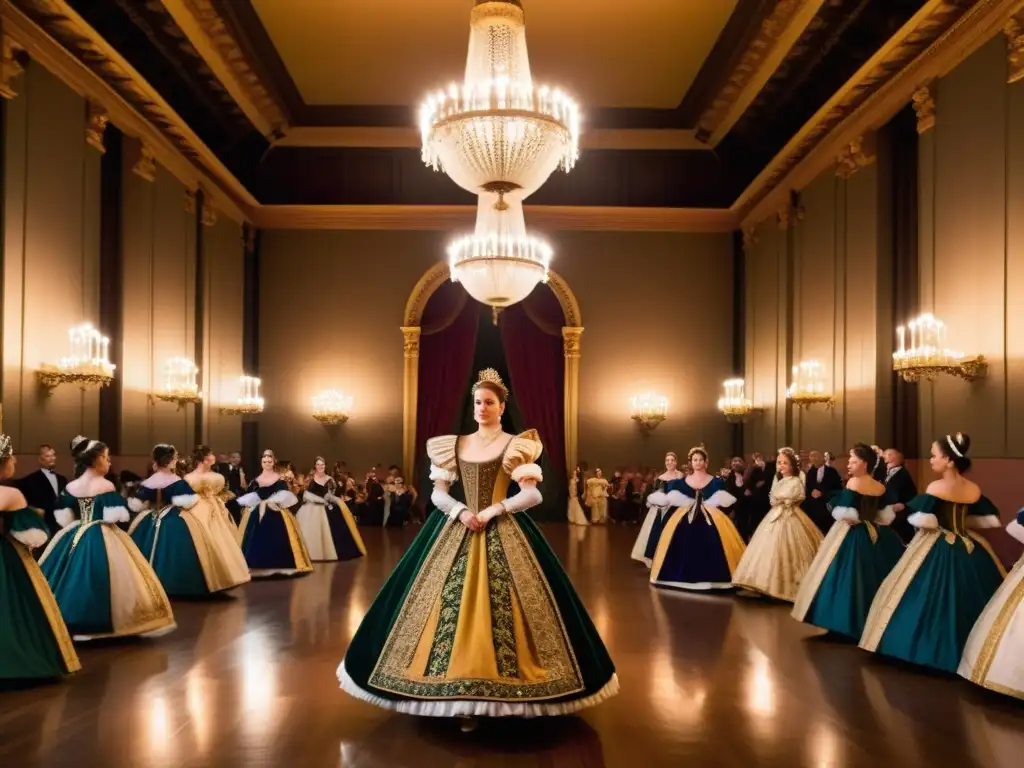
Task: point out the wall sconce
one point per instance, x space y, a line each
88 365
732 403
332 407
180 382
808 386
928 355
648 410
249 401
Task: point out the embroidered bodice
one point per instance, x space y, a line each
854 507
952 516
788 491
90 508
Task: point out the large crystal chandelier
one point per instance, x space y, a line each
499 136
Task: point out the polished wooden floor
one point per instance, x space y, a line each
706 681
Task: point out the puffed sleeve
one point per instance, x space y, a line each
444 464
521 456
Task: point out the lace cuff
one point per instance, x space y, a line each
447 504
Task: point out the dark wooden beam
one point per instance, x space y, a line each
251 343
200 311
111 314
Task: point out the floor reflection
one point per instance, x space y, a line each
706 680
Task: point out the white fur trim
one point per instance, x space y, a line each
983 521
185 500
1016 530
137 505
116 515
527 472
526 498
283 499
159 481
331 498
31 538
445 475
469 708
923 520
64 517
658 499
720 500
248 499
311 498
885 515
849 514
675 499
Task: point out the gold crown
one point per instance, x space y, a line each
491 376
6 446
699 448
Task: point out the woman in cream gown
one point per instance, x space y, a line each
597 498
478 618
103 584
227 561
576 514
785 542
325 520
659 509
994 655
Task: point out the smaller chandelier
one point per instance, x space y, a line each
648 410
249 401
732 403
88 365
180 382
332 407
808 386
928 355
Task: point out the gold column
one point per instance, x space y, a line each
410 389
571 347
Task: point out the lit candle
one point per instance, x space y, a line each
901 332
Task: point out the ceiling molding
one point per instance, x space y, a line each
762 57
940 36
171 147
405 138
75 53
211 37
448 217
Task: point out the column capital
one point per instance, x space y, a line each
571 340
411 343
1014 31
96 121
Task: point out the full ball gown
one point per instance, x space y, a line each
857 554
270 536
34 641
576 514
104 585
661 503
479 624
994 655
327 525
186 537
700 548
783 546
926 607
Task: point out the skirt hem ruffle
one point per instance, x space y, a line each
474 708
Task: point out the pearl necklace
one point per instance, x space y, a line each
483 442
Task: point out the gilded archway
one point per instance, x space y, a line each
571 332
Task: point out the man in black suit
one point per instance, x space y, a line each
235 481
43 487
902 488
823 481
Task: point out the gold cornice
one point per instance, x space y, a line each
10 67
215 44
74 52
758 63
858 154
96 125
1014 31
933 42
409 137
924 107
447 217
145 166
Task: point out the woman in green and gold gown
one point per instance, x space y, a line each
104 585
926 607
856 555
34 641
478 618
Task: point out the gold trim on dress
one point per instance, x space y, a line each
302 562
350 523
819 567
987 654
49 605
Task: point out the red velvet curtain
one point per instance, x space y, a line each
447 344
531 333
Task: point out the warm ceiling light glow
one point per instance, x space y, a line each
87 364
249 400
808 385
928 356
733 402
332 407
648 409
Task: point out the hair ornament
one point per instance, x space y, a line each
6 446
491 376
699 448
952 444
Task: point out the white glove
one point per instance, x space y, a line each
527 497
444 501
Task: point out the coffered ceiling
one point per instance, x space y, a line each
608 53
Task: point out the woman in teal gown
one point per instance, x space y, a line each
925 609
34 641
103 584
173 535
856 555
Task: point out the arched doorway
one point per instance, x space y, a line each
572 330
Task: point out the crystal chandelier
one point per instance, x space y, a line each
180 382
249 401
648 409
808 385
88 365
927 356
499 136
332 407
733 403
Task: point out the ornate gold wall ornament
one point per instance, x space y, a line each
411 342
924 108
145 166
858 154
10 67
190 201
784 216
95 125
749 236
1014 31
209 214
571 341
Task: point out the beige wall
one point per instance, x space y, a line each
51 257
332 303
